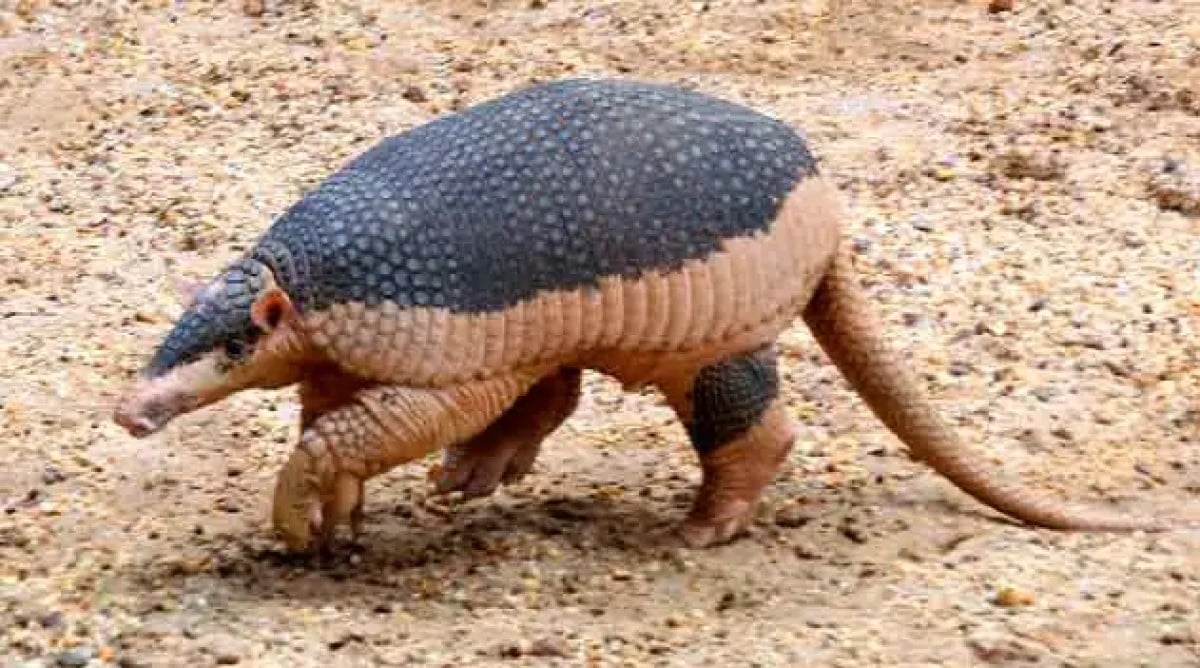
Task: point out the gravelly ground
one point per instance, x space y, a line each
1025 189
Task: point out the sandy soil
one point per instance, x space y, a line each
1025 189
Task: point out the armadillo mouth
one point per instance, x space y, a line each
146 417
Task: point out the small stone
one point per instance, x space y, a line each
993 327
1182 635
994 647
853 533
997 6
944 174
414 94
1011 597
960 368
791 517
1026 163
1044 394
51 475
550 647
1174 189
225 649
1133 240
806 552
518 649
732 599
76 656
157 629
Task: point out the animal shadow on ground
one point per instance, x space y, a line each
409 540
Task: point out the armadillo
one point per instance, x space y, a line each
445 290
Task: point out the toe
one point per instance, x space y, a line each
704 530
519 465
454 472
485 478
696 534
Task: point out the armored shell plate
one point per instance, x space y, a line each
548 188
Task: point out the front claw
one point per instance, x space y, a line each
701 530
345 507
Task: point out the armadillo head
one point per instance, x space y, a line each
238 332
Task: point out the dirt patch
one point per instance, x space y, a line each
1022 190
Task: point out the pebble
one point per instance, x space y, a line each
1000 648
77 656
1012 597
550 647
157 629
792 516
1176 189
853 533
225 649
51 620
807 551
414 94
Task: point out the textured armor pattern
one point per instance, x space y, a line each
729 397
547 188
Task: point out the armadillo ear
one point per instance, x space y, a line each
186 291
272 307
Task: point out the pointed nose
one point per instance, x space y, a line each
142 413
138 426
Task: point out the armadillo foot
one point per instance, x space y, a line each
345 507
505 452
477 468
742 433
735 476
700 531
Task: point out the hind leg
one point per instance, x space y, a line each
742 434
506 450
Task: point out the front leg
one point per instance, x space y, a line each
381 428
321 391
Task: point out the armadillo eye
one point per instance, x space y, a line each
235 349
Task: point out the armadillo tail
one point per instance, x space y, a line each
845 326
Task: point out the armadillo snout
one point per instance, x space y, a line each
137 426
142 416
